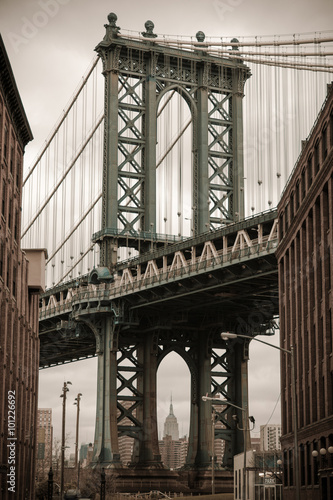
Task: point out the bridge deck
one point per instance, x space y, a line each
227 279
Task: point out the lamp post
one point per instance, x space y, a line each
227 336
325 463
62 464
77 403
279 463
213 451
245 429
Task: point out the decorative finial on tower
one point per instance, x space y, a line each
234 47
149 25
200 36
112 29
112 18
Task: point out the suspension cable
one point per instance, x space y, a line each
62 119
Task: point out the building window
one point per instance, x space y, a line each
329 282
3 204
308 463
285 468
315 465
5 146
1 258
316 157
281 226
297 195
14 282
8 272
302 465
10 207
16 226
17 177
324 143
319 278
303 184
291 207
291 468
330 331
309 170
286 216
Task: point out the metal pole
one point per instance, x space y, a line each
226 336
102 495
294 410
244 465
78 475
77 399
62 456
50 485
245 429
62 463
213 451
51 447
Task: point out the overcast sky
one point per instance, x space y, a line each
50 44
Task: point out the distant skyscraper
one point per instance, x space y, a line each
219 444
171 425
270 437
44 438
126 442
173 450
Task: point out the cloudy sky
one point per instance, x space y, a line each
50 44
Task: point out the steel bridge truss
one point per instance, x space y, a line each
175 299
138 75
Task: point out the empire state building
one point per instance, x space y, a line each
171 425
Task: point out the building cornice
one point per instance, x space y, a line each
13 99
310 432
305 206
307 145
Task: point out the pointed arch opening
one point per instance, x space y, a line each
173 409
174 162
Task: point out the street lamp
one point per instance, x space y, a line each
227 336
77 464
245 429
325 463
62 465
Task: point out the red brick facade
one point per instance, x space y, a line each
19 345
305 259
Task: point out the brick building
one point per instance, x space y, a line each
20 283
305 260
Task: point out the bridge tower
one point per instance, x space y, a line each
138 73
137 76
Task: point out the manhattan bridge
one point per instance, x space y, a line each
154 196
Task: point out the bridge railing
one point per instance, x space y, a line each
179 243
194 266
197 265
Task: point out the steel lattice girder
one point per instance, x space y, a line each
213 89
